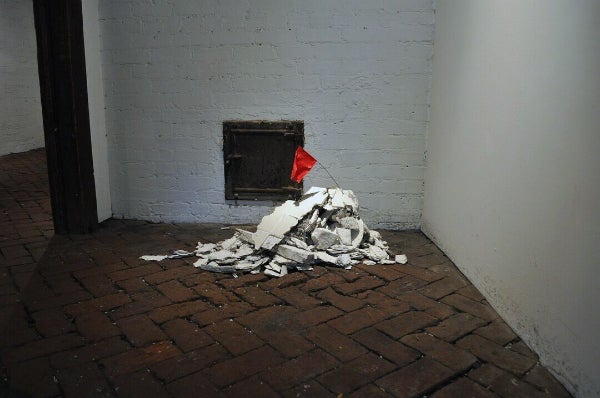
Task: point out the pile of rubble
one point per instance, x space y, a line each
322 227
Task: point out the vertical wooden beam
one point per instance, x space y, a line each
63 86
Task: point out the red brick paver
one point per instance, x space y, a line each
85 316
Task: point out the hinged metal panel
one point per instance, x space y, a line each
258 159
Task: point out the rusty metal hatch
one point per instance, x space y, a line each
258 159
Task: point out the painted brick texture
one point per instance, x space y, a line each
21 127
357 72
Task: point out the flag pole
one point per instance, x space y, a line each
330 176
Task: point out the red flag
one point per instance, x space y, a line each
303 162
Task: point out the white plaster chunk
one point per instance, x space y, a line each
345 235
376 253
245 236
401 259
295 254
324 238
244 250
387 262
369 262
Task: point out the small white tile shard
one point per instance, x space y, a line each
221 255
324 238
387 262
200 262
369 262
150 257
343 260
401 259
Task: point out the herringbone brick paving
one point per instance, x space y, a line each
87 318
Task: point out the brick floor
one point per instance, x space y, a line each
82 316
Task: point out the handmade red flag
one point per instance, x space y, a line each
303 162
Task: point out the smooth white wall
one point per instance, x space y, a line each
357 73
21 127
512 188
95 88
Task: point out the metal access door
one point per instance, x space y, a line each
258 159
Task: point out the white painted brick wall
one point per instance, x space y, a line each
356 71
21 127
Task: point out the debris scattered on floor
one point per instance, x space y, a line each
324 226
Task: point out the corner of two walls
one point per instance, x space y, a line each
95 88
357 73
512 191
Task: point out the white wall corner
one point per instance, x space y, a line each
91 34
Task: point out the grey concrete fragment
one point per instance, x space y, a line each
339 249
326 258
222 255
214 267
153 257
295 254
324 238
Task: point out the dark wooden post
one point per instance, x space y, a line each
63 86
